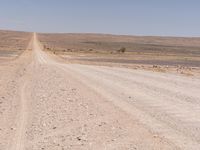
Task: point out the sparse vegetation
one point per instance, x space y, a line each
122 50
147 50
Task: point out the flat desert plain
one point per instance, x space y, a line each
100 92
13 43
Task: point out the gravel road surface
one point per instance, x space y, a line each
46 104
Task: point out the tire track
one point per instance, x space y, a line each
19 139
161 108
146 107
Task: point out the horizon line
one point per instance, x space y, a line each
101 33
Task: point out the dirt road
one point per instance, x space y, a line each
47 104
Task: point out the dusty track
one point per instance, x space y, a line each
18 141
72 106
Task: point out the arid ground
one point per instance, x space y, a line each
174 54
79 92
12 43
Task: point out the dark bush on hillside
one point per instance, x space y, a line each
122 50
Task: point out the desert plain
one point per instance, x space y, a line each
98 92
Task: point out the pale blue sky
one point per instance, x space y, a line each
133 17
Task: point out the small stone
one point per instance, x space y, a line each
78 138
155 136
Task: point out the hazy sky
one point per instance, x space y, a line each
135 17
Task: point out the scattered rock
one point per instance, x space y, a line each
73 89
155 136
102 123
78 138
